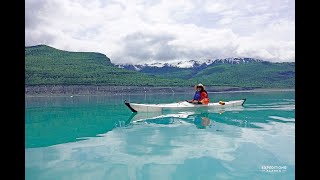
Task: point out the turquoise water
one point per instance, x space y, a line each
97 137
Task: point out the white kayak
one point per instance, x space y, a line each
136 107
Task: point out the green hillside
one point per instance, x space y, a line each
249 75
45 65
169 72
255 74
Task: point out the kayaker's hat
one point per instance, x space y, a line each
199 85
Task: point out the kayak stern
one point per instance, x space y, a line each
129 106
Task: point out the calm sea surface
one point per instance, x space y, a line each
97 137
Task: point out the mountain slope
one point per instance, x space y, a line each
241 72
194 64
45 65
50 66
183 69
258 74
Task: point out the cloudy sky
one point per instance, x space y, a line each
138 31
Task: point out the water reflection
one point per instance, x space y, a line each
118 144
47 126
170 146
208 119
54 120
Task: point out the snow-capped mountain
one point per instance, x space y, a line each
237 60
194 64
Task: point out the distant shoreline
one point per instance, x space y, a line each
83 90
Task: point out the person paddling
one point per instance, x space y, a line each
200 96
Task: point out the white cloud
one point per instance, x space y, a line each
140 31
275 42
